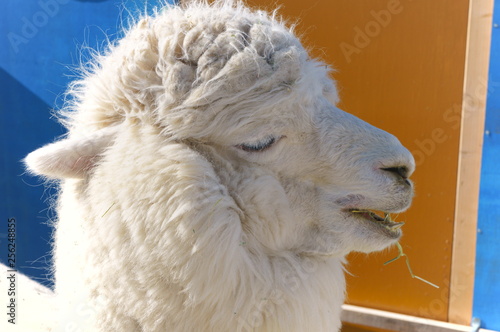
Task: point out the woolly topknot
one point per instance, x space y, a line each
172 67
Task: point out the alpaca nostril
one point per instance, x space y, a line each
401 171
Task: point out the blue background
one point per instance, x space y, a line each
40 41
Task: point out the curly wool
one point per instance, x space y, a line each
183 67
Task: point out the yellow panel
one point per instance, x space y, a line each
400 66
358 328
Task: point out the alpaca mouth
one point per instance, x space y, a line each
385 222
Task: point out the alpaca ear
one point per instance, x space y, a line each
71 157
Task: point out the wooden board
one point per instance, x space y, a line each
487 279
471 142
383 321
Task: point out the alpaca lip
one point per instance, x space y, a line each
386 222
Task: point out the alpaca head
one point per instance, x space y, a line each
227 100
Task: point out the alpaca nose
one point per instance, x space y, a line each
399 171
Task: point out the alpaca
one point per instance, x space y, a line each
208 182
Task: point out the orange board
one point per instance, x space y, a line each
400 66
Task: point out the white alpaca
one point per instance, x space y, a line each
209 183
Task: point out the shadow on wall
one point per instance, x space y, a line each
24 122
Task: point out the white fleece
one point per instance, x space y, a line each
207 178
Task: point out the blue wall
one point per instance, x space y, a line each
487 282
39 40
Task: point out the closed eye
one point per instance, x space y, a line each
258 146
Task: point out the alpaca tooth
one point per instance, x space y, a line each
376 217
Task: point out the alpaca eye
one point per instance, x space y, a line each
259 146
